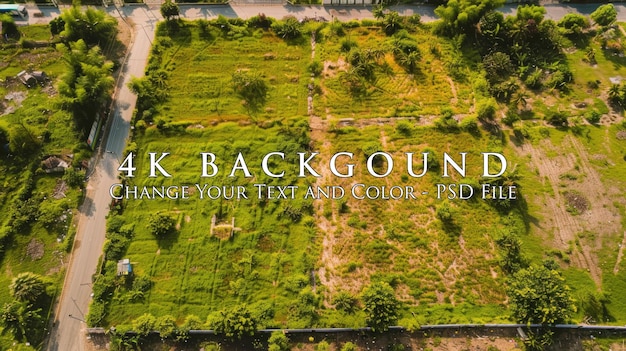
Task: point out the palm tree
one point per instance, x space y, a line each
27 286
20 320
615 95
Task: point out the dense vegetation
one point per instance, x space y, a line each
42 127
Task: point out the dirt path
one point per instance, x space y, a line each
454 99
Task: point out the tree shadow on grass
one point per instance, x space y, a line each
168 240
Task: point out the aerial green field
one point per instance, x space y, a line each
257 87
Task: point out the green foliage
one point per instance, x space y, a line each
260 21
97 311
27 287
74 177
380 306
322 346
288 28
144 324
315 68
349 346
593 116
344 301
9 28
57 25
497 66
511 259
169 10
461 16
161 224
88 83
486 109
22 140
251 87
445 212
166 326
556 118
278 341
192 322
594 307
391 22
539 295
574 23
447 120
23 321
604 15
92 26
234 323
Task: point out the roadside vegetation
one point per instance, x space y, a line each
538 91
43 158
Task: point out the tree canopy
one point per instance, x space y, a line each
169 10
604 15
27 287
538 294
380 306
461 16
233 323
94 26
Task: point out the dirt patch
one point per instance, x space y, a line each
35 249
621 135
59 190
12 101
575 202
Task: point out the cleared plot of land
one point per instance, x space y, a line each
289 259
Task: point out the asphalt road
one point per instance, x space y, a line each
69 325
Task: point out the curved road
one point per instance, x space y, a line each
68 332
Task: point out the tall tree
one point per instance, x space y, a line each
538 294
87 83
380 306
95 27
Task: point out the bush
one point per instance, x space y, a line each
593 116
486 109
316 68
349 347
556 118
161 224
288 28
347 45
278 342
469 124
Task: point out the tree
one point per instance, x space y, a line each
511 259
57 25
380 306
169 10
278 342
93 26
161 224
233 323
9 28
88 82
21 320
539 295
461 16
604 15
27 287
288 28
392 22
574 23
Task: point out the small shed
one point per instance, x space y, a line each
27 79
124 267
40 76
54 164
